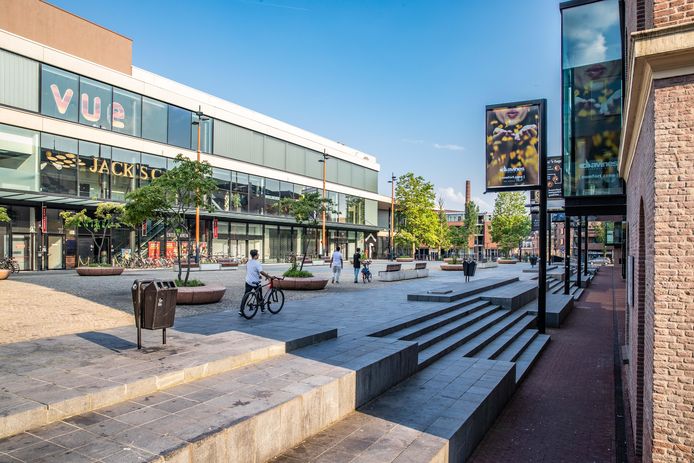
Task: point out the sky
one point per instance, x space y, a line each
404 80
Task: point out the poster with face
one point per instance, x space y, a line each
513 146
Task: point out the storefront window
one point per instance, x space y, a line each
126 113
179 122
154 119
221 199
355 209
58 164
150 168
95 103
205 134
341 207
331 214
592 98
59 93
255 239
123 172
19 158
220 245
272 196
255 202
94 167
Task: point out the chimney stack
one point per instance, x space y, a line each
467 193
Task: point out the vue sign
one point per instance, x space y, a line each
115 112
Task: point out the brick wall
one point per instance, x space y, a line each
640 315
673 358
672 12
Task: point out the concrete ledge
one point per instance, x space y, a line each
512 296
199 295
406 274
452 293
487 265
559 306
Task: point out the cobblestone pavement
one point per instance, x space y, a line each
565 410
39 304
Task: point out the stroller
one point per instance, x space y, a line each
365 272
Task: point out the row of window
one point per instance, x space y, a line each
68 96
34 161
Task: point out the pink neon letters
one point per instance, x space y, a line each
61 102
115 111
96 114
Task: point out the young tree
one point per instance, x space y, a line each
444 231
510 223
107 217
171 197
4 216
307 209
415 198
462 234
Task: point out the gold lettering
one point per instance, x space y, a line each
93 167
113 168
143 173
104 167
128 170
155 173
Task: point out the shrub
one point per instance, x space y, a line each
294 272
189 283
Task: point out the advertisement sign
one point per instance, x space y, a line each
559 217
535 219
170 249
215 229
44 219
513 146
554 177
153 248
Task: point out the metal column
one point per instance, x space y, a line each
567 254
579 251
585 251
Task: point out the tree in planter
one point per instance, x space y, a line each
307 209
415 198
510 223
171 197
462 234
443 231
106 217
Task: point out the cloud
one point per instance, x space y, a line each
586 30
483 204
454 199
448 146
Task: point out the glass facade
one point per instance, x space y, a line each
126 113
154 120
96 100
592 98
19 158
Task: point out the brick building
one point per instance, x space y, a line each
656 161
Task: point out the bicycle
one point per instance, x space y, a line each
8 263
366 272
254 300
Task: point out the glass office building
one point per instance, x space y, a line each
74 133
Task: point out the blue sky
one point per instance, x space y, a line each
404 80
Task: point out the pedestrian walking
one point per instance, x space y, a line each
356 263
336 264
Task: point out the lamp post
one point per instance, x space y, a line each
392 215
323 242
198 122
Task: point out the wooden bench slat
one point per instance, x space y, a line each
393 267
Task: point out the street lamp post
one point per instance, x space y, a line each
198 122
392 215
323 241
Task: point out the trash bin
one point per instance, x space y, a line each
154 304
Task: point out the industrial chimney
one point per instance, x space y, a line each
467 193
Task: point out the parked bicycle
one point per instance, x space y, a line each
8 263
273 300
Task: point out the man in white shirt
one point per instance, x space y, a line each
336 264
254 271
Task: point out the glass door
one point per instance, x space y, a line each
55 252
21 250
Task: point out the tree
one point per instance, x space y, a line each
415 198
443 231
4 216
306 209
510 223
461 235
107 217
170 197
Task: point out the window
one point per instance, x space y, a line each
58 164
123 172
255 201
150 168
20 81
154 119
221 198
94 168
19 158
272 196
239 189
59 93
205 134
126 113
94 103
179 127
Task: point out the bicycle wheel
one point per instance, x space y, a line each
15 267
275 301
249 305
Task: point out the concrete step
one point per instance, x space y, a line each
409 322
63 384
577 293
438 415
512 296
479 342
530 355
492 350
252 413
468 326
471 313
468 341
455 292
516 348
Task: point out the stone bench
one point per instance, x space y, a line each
395 272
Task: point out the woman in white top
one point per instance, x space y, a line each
336 264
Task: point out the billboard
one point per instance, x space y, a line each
514 145
554 177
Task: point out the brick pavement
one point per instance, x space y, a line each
564 411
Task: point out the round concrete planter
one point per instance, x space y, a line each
506 261
199 295
452 267
4 274
404 259
301 284
98 271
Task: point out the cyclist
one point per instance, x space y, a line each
254 270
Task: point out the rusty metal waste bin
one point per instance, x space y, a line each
154 304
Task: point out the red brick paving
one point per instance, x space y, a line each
564 410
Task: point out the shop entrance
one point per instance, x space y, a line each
21 250
55 252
